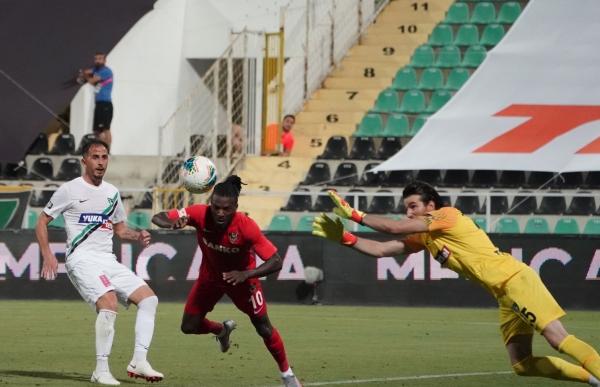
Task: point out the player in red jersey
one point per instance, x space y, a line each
226 238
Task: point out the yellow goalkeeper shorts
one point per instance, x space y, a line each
526 305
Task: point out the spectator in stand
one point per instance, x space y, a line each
287 140
102 78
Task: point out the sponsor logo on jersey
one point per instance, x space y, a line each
233 237
182 213
49 205
443 255
220 248
101 219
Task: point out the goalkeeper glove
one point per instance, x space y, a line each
333 230
344 210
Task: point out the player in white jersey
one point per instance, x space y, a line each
93 211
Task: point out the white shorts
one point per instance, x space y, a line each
94 274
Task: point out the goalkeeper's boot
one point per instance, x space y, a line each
223 337
104 377
143 370
291 381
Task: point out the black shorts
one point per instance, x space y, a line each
103 114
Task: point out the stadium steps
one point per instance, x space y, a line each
269 174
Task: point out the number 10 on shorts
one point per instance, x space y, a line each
257 301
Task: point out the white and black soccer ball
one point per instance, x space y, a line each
198 175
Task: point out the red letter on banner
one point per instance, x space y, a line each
547 122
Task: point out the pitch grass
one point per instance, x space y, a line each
52 344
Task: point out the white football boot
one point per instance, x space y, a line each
143 370
291 381
104 377
223 338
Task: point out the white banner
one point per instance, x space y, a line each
533 105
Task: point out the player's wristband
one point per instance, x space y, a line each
348 239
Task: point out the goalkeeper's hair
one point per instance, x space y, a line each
426 192
231 187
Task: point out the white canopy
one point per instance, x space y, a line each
534 103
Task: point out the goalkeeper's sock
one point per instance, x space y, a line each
583 353
552 368
275 346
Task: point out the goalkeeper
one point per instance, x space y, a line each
459 245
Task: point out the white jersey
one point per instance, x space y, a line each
89 213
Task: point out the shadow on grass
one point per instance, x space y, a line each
53 375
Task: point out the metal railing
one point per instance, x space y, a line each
318 34
217 119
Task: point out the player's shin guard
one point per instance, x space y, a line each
583 353
208 326
552 368
144 328
275 346
105 332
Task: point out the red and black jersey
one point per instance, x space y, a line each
225 250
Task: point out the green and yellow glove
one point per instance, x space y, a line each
333 230
344 210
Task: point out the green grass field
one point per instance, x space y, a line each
52 344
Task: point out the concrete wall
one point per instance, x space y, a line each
152 75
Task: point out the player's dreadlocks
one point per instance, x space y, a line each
231 187
425 191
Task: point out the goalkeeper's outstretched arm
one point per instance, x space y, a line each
378 249
333 230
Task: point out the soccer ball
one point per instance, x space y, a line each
197 175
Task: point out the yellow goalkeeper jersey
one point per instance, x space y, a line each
458 244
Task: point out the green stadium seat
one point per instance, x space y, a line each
396 126
449 57
386 102
492 35
280 222
395 217
431 79
537 226
474 56
138 220
592 227
418 124
467 35
441 35
566 226
509 13
413 102
32 217
507 226
438 99
457 78
305 223
58 222
423 57
484 13
458 13
370 126
481 222
405 79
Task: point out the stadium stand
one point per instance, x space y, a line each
39 145
63 145
41 169
69 169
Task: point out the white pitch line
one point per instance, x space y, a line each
400 378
